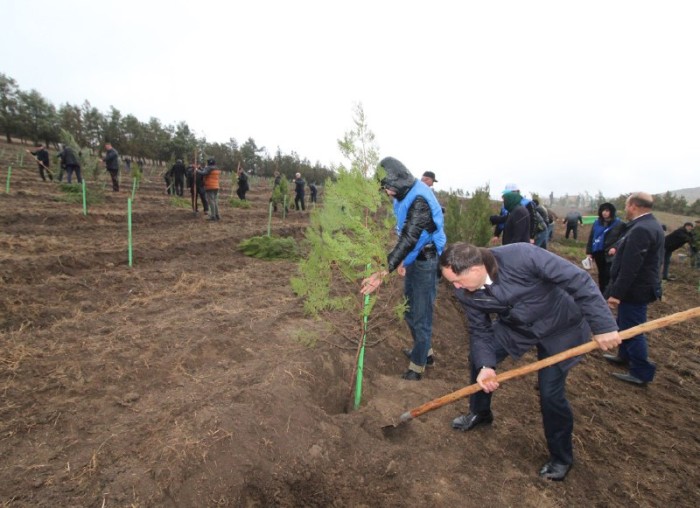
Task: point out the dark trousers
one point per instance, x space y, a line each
43 176
114 173
299 202
635 350
667 263
603 269
557 417
201 195
69 173
240 192
571 227
179 185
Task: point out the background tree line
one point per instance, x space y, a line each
30 117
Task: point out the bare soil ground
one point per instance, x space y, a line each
194 378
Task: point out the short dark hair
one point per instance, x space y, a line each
461 256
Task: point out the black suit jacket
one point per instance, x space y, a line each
634 276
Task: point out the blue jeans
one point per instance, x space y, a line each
541 239
557 417
420 289
635 350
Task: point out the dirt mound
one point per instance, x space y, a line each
193 378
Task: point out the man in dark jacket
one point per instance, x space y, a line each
675 241
419 224
243 186
299 185
111 160
539 300
634 283
178 175
572 220
71 163
42 158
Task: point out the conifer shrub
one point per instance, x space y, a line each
467 219
270 247
349 232
73 193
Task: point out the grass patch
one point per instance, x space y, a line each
73 193
237 203
180 202
269 247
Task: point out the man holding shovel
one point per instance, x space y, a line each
539 300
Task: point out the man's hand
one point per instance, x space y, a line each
487 379
495 240
401 270
607 341
613 302
371 283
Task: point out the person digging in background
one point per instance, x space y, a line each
42 157
674 241
419 224
539 300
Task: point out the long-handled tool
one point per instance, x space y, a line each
535 366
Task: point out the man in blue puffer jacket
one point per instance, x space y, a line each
419 224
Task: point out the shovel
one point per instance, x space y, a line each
535 366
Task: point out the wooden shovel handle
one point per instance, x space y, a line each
564 355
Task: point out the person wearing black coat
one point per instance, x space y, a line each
111 160
71 163
517 227
177 173
42 157
635 283
675 241
518 297
299 185
243 186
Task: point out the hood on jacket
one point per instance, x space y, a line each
606 206
398 178
511 200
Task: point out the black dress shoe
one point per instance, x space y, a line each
471 420
629 378
430 361
554 471
412 375
614 359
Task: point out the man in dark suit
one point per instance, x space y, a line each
541 301
635 283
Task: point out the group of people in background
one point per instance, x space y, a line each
70 164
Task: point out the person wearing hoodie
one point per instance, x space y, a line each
517 225
605 233
421 239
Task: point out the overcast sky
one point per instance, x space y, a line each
558 96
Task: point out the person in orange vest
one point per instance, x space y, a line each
211 186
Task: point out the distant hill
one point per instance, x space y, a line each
690 195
